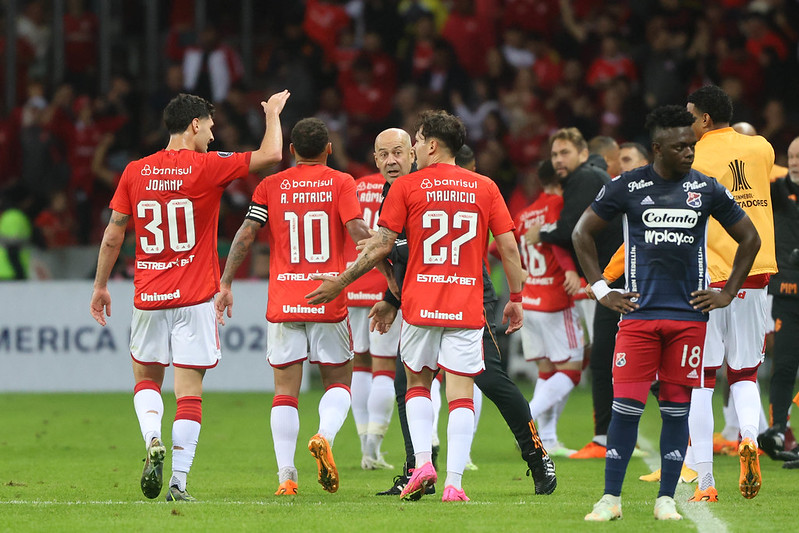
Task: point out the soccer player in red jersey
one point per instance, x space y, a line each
373 377
446 212
173 197
309 209
552 335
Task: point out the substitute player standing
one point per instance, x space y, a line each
666 207
308 209
446 212
173 197
741 163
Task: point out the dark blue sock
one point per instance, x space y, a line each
622 435
673 443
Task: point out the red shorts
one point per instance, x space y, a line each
667 350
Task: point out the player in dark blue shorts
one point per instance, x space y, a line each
661 336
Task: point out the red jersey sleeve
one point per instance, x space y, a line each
225 167
121 199
349 208
395 210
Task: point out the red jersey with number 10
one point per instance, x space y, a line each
307 208
369 288
446 212
173 196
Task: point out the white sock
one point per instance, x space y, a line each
454 479
460 431
185 434
700 427
178 480
149 408
731 425
435 397
763 426
747 407
381 407
285 423
553 391
543 419
333 409
361 388
420 424
477 398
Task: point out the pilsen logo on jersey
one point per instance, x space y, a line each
694 199
739 182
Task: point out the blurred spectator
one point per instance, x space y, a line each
81 31
211 67
611 63
33 28
323 21
15 236
469 37
56 223
608 149
632 155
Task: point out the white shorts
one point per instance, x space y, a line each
184 336
586 309
770 324
557 336
456 350
373 342
324 343
738 332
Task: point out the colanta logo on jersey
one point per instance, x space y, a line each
656 217
147 170
739 182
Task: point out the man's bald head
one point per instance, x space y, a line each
394 154
744 128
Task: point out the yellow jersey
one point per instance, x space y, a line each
743 164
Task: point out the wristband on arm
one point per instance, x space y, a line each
600 289
516 297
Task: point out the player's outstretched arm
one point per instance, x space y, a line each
271 149
748 240
511 263
238 252
113 238
376 249
589 225
360 234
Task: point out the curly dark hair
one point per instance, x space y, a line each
668 116
446 128
184 108
714 101
309 137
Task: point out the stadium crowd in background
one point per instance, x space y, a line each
513 70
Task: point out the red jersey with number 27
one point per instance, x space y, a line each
446 212
173 197
307 207
369 288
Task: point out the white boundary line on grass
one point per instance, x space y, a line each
697 512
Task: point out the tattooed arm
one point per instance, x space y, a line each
238 251
376 249
114 236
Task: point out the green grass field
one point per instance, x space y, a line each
72 462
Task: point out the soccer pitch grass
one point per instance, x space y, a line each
73 461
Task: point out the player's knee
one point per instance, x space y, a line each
573 375
673 393
744 374
634 391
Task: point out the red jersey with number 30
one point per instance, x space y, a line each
543 289
446 212
307 208
173 197
369 288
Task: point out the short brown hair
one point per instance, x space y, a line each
572 135
447 128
